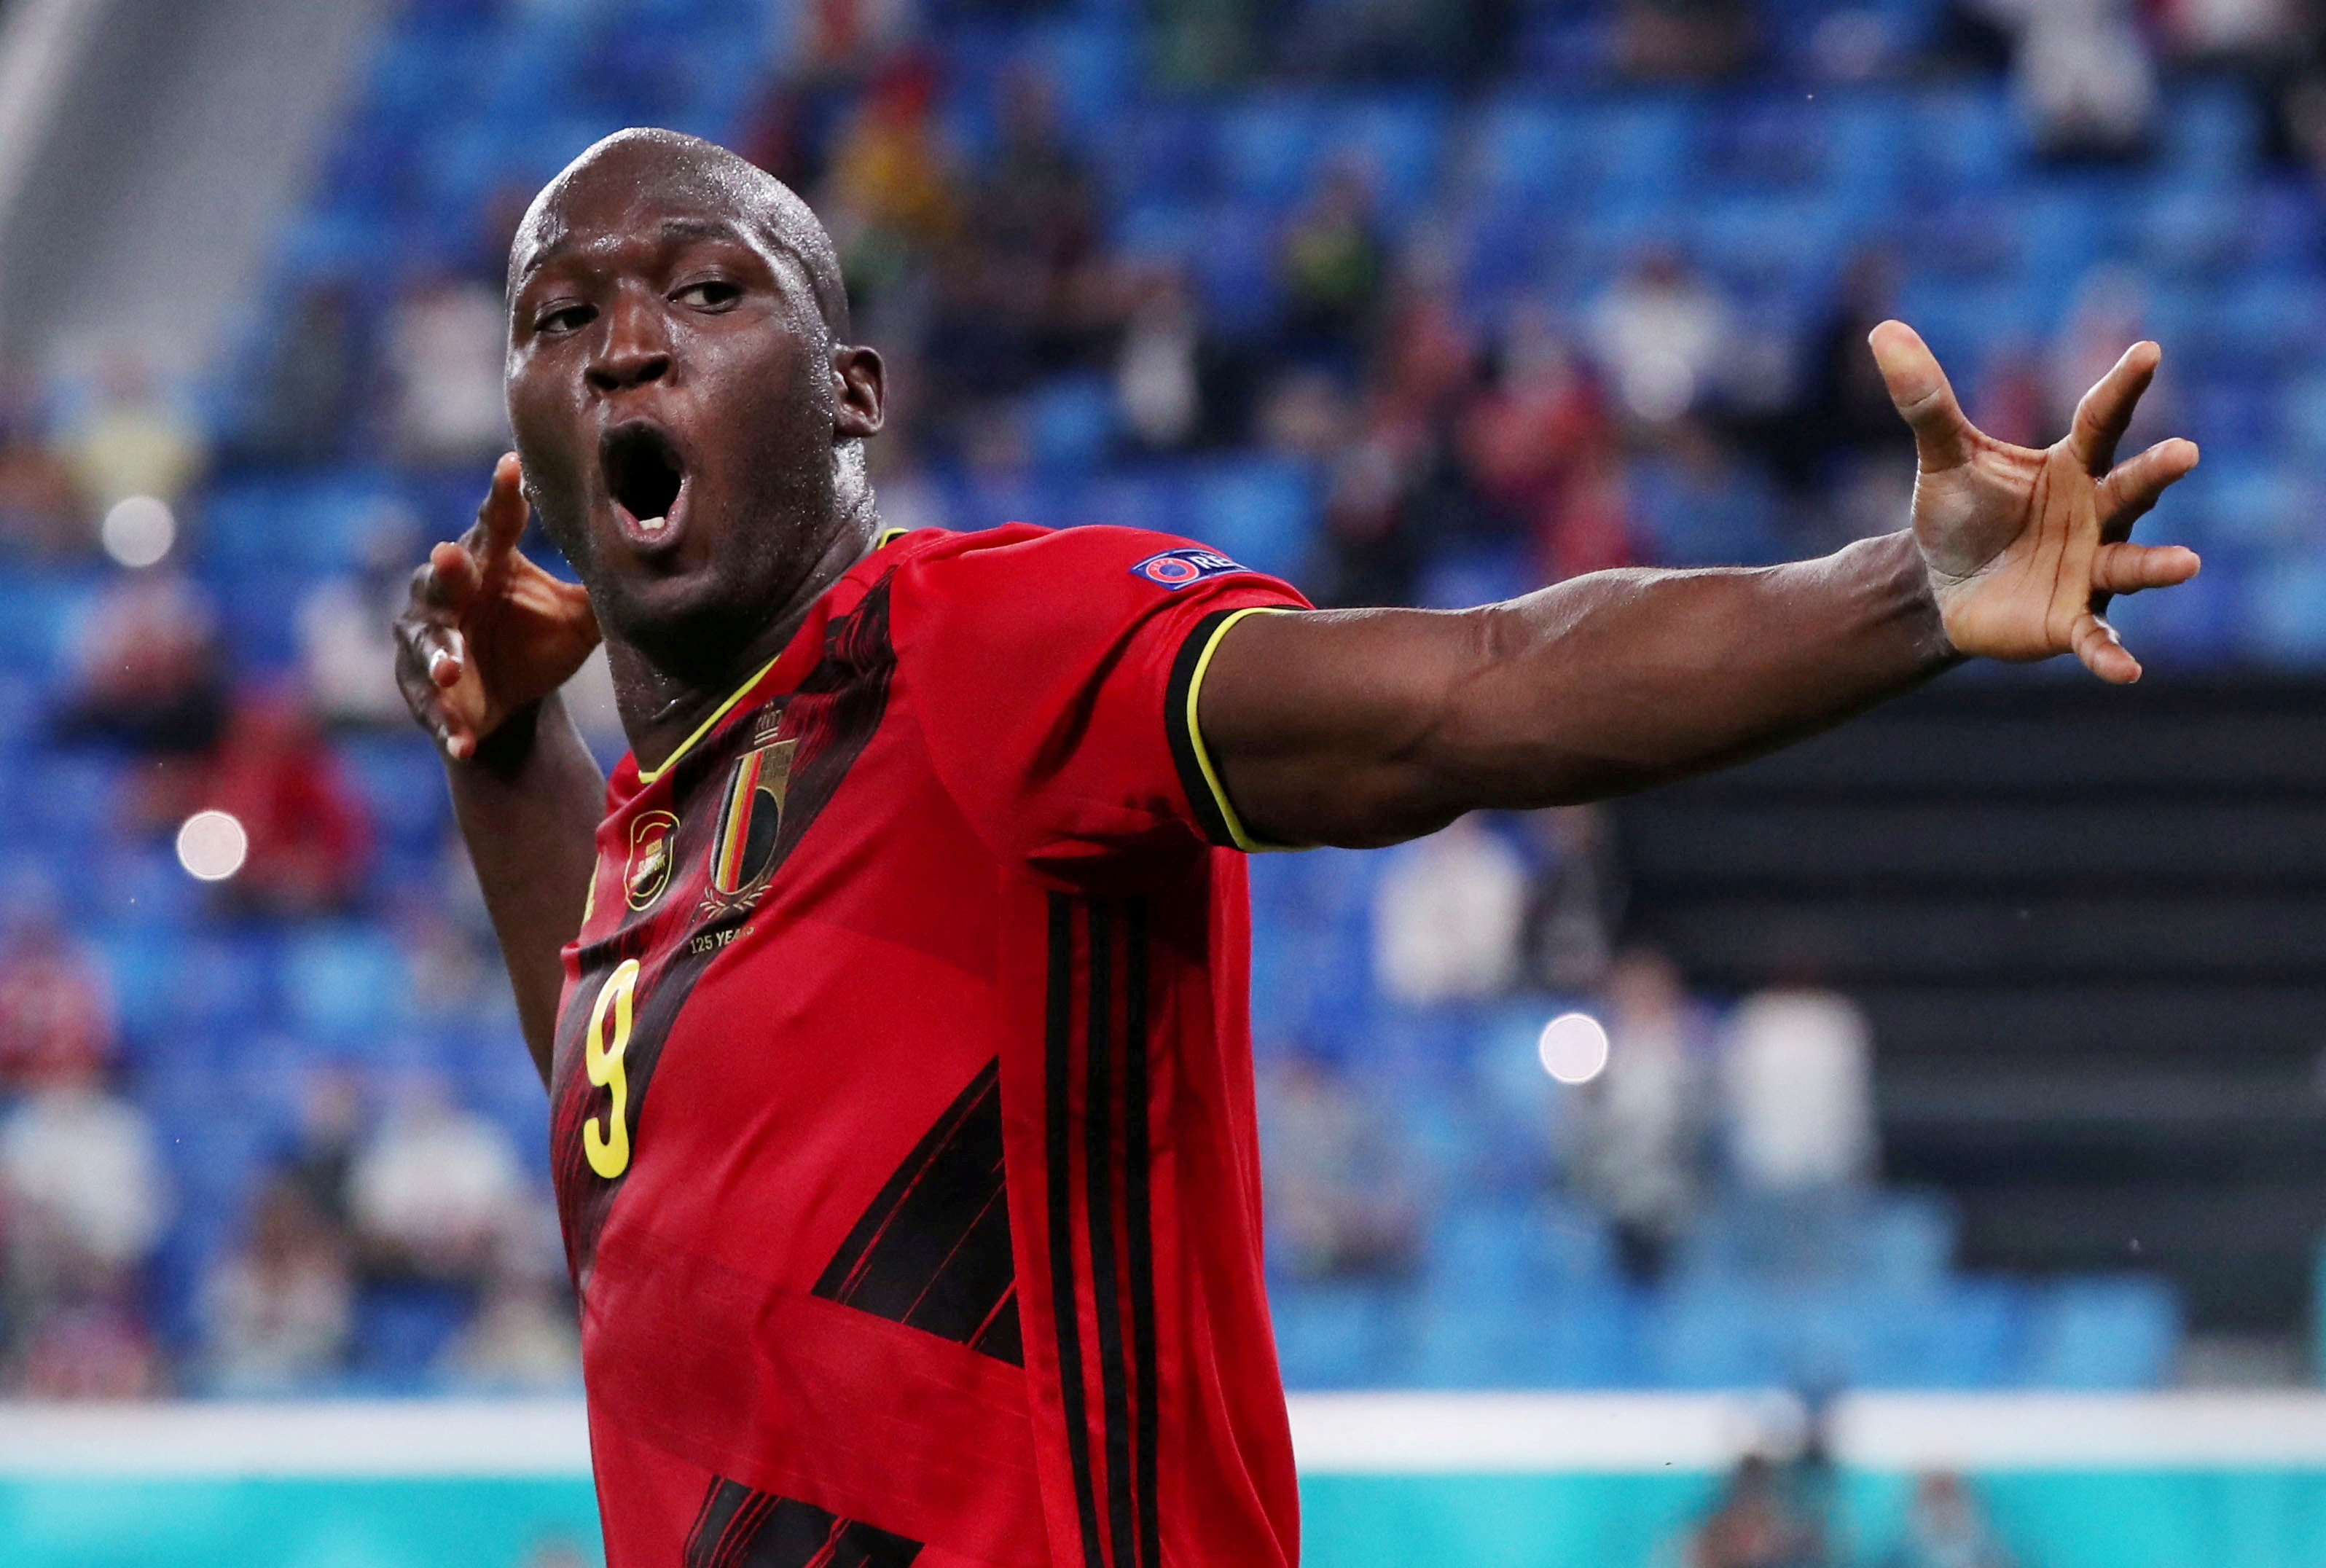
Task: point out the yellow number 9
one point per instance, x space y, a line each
610 1153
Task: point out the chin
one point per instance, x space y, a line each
685 623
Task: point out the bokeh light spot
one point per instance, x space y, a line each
1573 1048
139 531
212 846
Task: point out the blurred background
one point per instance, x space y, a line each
1978 1048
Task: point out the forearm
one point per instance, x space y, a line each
1599 685
528 805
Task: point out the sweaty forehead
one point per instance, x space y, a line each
639 183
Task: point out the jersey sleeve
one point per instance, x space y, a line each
1056 677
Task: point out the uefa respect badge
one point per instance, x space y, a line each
1175 568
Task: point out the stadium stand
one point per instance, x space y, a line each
1432 335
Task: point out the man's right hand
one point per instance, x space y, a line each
486 631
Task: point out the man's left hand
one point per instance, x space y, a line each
2025 548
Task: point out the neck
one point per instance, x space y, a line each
661 706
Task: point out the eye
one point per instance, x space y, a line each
710 294
562 318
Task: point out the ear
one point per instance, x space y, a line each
860 386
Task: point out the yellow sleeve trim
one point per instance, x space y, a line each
647 776
1242 839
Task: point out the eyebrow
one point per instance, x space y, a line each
717 228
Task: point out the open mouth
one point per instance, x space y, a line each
644 475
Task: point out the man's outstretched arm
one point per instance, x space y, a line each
483 644
1370 726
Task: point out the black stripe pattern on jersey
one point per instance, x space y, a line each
1114 1488
933 1250
1138 1225
1058 1075
738 1528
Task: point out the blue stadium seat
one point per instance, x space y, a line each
402 785
1524 152
1961 138
344 984
2104 1333
2211 131
1235 269
1399 143
401 1330
1333 1335
1265 148
1647 148
1258 510
1071 422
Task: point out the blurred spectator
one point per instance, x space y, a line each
54 1002
1373 554
1203 43
89 1348
147 677
275 1313
1643 1122
1028 289
1447 916
1699 503
1577 900
1159 372
436 1190
1338 1203
1682 40
2082 75
1304 413
133 440
310 839
2108 313
346 646
86 1199
308 404
43 514
322 1150
1945 1528
555 1552
455 977
85 1190
1332 265
523 1336
889 195
1845 416
444 353
1539 445
1798 1074
1660 332
2253 35
1755 1524
1395 40
2013 397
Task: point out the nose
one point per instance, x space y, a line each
633 353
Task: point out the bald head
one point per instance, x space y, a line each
667 168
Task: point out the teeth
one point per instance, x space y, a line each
654 524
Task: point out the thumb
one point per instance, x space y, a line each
1920 391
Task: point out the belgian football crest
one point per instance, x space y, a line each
751 819
646 872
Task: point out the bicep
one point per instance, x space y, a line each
1329 726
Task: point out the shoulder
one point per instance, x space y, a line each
1094 571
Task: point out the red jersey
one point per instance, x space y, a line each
902 1099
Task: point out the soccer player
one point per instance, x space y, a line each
891 995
